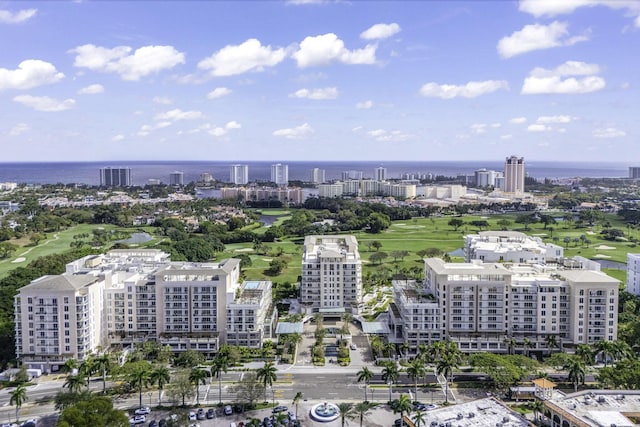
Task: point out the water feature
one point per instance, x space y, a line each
137 238
324 412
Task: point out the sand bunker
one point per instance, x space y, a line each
601 256
20 259
604 248
244 250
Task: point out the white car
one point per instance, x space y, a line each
228 410
145 410
138 419
192 416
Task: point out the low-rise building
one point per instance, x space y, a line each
510 246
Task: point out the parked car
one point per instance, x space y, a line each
353 346
280 408
145 410
138 419
211 413
201 415
228 410
192 416
153 423
162 423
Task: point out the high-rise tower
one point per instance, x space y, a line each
514 175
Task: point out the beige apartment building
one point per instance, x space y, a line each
331 274
127 296
481 306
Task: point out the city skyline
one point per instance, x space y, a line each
325 80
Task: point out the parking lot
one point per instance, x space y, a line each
380 416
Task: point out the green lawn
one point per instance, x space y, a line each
421 233
55 243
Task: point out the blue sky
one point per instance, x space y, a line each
320 80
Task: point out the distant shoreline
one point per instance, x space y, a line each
142 171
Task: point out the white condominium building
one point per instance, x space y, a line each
280 174
318 176
331 274
59 318
239 174
633 274
380 174
251 316
482 304
129 296
510 246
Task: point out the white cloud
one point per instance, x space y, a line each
365 105
29 74
117 138
91 90
316 94
554 119
327 48
469 90
142 62
44 103
536 37
299 132
219 131
19 129
7 17
178 114
544 81
248 56
380 31
539 8
538 128
162 100
383 135
608 133
518 120
479 128
506 137
218 92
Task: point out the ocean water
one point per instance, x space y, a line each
141 172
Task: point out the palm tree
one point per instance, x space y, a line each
266 374
511 344
527 344
74 383
346 411
87 368
365 375
254 422
537 406
403 406
18 397
416 370
139 377
445 366
605 349
103 364
575 371
377 345
620 349
362 409
220 365
390 375
198 376
419 418
551 341
296 400
585 352
281 418
160 376
69 366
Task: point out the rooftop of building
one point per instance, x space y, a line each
601 408
482 412
62 282
331 246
